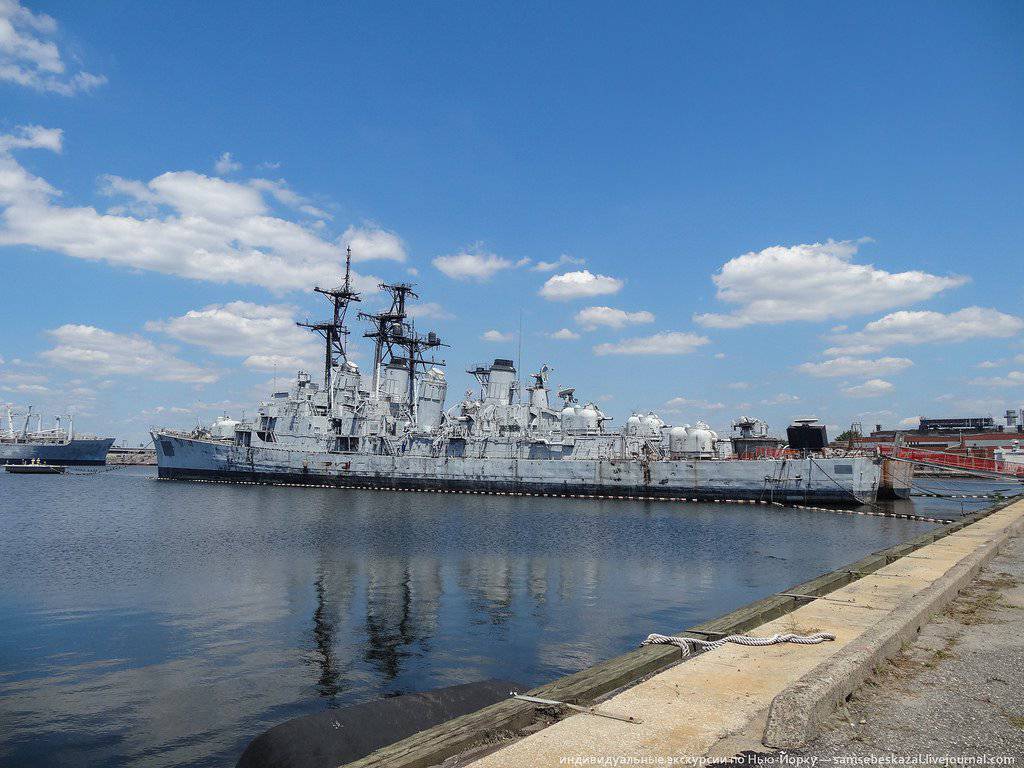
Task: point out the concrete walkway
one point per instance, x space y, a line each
958 690
717 704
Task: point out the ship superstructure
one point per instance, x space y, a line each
24 439
387 427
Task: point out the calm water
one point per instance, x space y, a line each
163 623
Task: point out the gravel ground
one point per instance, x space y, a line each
957 692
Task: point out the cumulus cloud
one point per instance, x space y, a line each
226 164
33 137
781 399
428 310
924 327
89 350
1011 379
265 335
285 195
855 366
371 242
577 285
562 261
564 334
813 282
497 336
591 318
478 267
23 383
870 388
664 343
180 223
685 404
29 55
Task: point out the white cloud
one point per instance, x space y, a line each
924 327
781 399
370 242
429 310
226 164
94 351
1011 379
685 404
472 266
497 336
563 261
266 335
283 363
140 200
285 195
33 137
738 385
179 223
23 383
26 389
664 343
581 284
990 364
813 282
564 334
720 355
910 421
870 388
855 366
196 195
30 57
591 318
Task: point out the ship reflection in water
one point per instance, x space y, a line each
164 623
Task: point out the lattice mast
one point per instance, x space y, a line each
333 331
395 338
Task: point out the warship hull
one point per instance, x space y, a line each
84 452
844 482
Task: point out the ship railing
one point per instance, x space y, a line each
953 460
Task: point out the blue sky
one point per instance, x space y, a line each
776 209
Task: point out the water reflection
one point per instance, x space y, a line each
323 636
146 623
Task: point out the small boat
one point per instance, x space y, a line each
34 467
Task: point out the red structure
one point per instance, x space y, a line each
946 460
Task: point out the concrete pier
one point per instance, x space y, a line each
738 698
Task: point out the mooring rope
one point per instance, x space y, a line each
691 644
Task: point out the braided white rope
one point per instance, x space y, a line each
690 644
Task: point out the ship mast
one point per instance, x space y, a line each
333 331
395 338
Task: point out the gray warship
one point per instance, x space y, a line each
388 428
57 445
